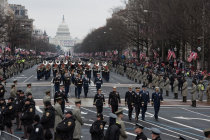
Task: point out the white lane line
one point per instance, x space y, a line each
38 109
28 78
195 112
178 123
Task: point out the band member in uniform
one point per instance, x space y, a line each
57 81
85 81
114 100
129 100
99 100
67 83
98 81
78 84
145 100
157 98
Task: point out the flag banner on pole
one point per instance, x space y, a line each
170 53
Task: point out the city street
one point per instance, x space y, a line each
175 118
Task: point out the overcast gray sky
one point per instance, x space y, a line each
80 15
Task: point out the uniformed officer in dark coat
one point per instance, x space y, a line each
78 84
48 118
139 131
155 134
19 103
2 108
156 99
67 83
88 72
98 81
9 114
85 81
2 91
97 128
129 100
57 81
65 129
37 132
99 101
27 117
114 100
145 100
207 133
137 102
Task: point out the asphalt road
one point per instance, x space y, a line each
173 121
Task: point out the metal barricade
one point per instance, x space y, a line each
7 136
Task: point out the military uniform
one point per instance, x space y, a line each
78 123
78 84
167 86
67 83
85 81
98 82
37 132
114 100
129 100
119 121
2 91
156 99
58 115
97 130
99 100
145 100
140 136
193 93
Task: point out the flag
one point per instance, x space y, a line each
115 52
170 53
155 54
142 55
7 49
134 54
193 56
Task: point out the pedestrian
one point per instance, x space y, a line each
113 131
78 121
184 90
48 121
137 102
2 90
97 128
47 97
19 103
145 99
129 100
66 127
193 93
155 134
114 100
157 98
13 91
139 131
98 81
208 93
99 101
28 89
123 134
207 134
37 129
85 81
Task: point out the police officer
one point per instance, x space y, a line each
98 81
37 129
139 131
207 134
85 81
114 100
57 81
65 129
78 84
99 100
157 98
47 97
97 128
9 114
62 96
145 100
48 119
137 102
19 103
129 100
67 83
155 134
27 117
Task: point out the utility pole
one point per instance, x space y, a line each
203 36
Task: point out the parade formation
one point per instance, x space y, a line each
59 124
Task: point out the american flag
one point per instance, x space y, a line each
171 54
193 56
155 54
142 55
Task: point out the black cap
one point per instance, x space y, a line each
47 103
36 118
69 112
99 115
139 126
143 86
207 132
28 85
11 98
29 93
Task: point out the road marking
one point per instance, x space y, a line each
38 109
178 123
196 112
187 118
28 78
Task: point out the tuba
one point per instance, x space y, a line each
65 62
57 62
45 62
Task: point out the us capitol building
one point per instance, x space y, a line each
63 38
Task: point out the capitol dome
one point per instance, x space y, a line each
63 29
